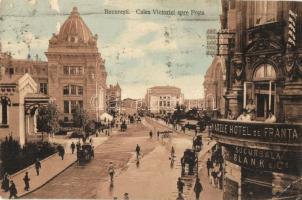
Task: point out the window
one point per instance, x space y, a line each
80 104
265 72
43 88
73 70
73 106
160 103
4 113
73 90
264 12
80 90
66 70
66 107
66 90
168 103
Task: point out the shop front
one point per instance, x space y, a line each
262 160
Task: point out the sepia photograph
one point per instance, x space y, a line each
151 99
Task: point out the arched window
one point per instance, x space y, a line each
5 102
265 72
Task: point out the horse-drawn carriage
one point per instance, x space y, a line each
85 153
197 143
189 158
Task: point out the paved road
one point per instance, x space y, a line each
84 181
153 179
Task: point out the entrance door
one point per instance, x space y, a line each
263 105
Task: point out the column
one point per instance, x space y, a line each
0 113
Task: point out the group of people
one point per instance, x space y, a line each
249 114
215 168
8 184
197 188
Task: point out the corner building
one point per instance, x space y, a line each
76 71
262 160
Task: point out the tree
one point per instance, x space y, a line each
80 117
48 119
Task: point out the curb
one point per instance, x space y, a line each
29 192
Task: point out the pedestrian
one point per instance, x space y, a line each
180 185
13 190
72 146
90 141
61 151
37 166
5 182
157 134
111 171
92 151
150 134
180 197
209 166
26 180
78 145
137 149
126 196
197 188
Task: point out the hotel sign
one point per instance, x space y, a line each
264 132
267 160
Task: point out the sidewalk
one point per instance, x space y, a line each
51 167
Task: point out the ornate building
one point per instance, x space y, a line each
76 71
114 94
73 75
163 99
262 160
215 85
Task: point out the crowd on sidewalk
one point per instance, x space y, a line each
215 167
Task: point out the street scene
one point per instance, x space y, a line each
155 100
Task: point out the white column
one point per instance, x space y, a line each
35 121
0 113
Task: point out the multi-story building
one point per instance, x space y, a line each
215 85
262 159
131 106
193 103
114 93
73 75
163 99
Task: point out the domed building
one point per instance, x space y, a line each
74 75
76 71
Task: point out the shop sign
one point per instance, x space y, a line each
264 132
267 160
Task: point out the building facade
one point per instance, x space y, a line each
19 101
215 85
262 160
114 99
163 99
75 72
193 103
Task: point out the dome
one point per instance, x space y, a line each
74 29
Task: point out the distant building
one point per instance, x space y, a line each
131 106
193 103
215 85
114 93
163 99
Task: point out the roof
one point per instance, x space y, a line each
74 26
165 87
